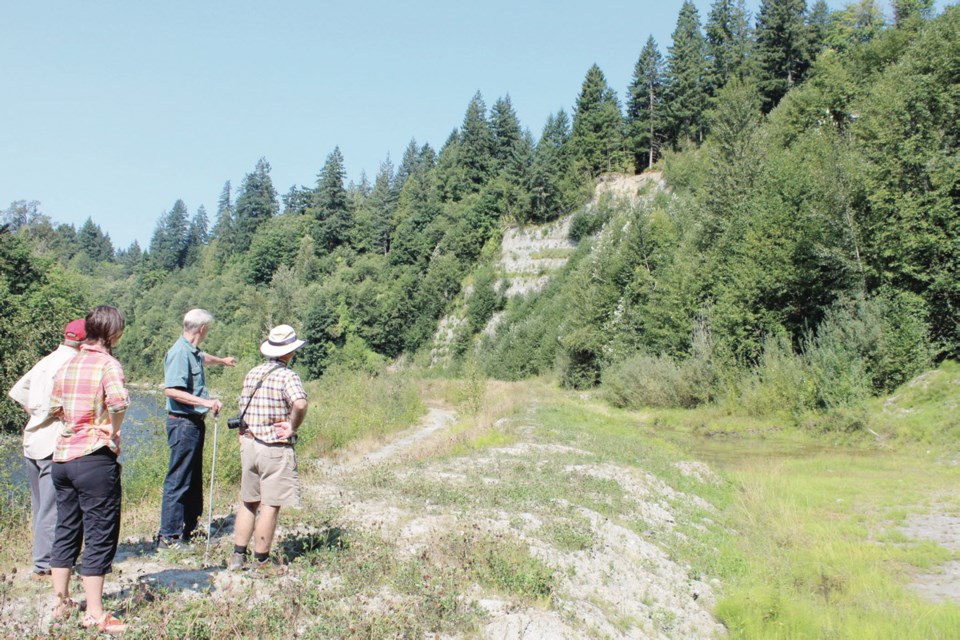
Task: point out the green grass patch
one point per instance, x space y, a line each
821 554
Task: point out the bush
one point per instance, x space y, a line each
589 220
780 382
657 381
863 347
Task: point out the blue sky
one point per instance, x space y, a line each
114 110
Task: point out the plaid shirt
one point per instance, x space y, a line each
85 392
273 401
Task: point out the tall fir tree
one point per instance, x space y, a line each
818 27
551 168
197 236
408 165
598 139
728 42
909 13
476 145
383 204
94 243
331 206
782 48
222 230
168 246
256 204
686 78
508 140
130 258
645 106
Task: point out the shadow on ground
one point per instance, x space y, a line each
303 543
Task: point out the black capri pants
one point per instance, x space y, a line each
88 512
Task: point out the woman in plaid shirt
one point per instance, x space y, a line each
90 395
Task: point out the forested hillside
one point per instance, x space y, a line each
804 255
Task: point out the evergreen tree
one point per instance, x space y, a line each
94 243
551 168
728 42
297 200
198 227
818 26
130 258
408 165
168 246
383 205
476 145
509 149
331 207
907 13
414 237
782 48
686 77
256 204
598 137
223 228
645 106
197 236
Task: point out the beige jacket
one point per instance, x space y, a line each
32 392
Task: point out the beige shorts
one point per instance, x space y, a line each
268 474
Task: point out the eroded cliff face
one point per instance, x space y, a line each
532 254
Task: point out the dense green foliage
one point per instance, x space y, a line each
813 199
801 262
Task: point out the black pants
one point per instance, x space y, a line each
88 512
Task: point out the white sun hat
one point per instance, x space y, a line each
281 341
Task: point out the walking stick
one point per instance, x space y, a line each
213 474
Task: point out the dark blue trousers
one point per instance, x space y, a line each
182 503
88 512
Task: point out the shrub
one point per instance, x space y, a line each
657 381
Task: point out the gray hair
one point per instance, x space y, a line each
196 318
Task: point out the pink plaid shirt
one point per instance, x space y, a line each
86 391
273 401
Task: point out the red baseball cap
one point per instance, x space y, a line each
75 330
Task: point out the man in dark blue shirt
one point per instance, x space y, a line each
188 402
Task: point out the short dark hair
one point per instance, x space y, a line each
103 323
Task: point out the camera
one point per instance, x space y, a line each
236 423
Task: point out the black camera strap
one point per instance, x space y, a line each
257 388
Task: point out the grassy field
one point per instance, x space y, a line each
551 509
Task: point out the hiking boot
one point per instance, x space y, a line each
237 562
270 568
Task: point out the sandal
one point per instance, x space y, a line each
108 623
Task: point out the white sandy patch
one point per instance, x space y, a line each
698 470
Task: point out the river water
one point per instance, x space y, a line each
143 428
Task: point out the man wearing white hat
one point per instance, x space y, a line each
273 404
